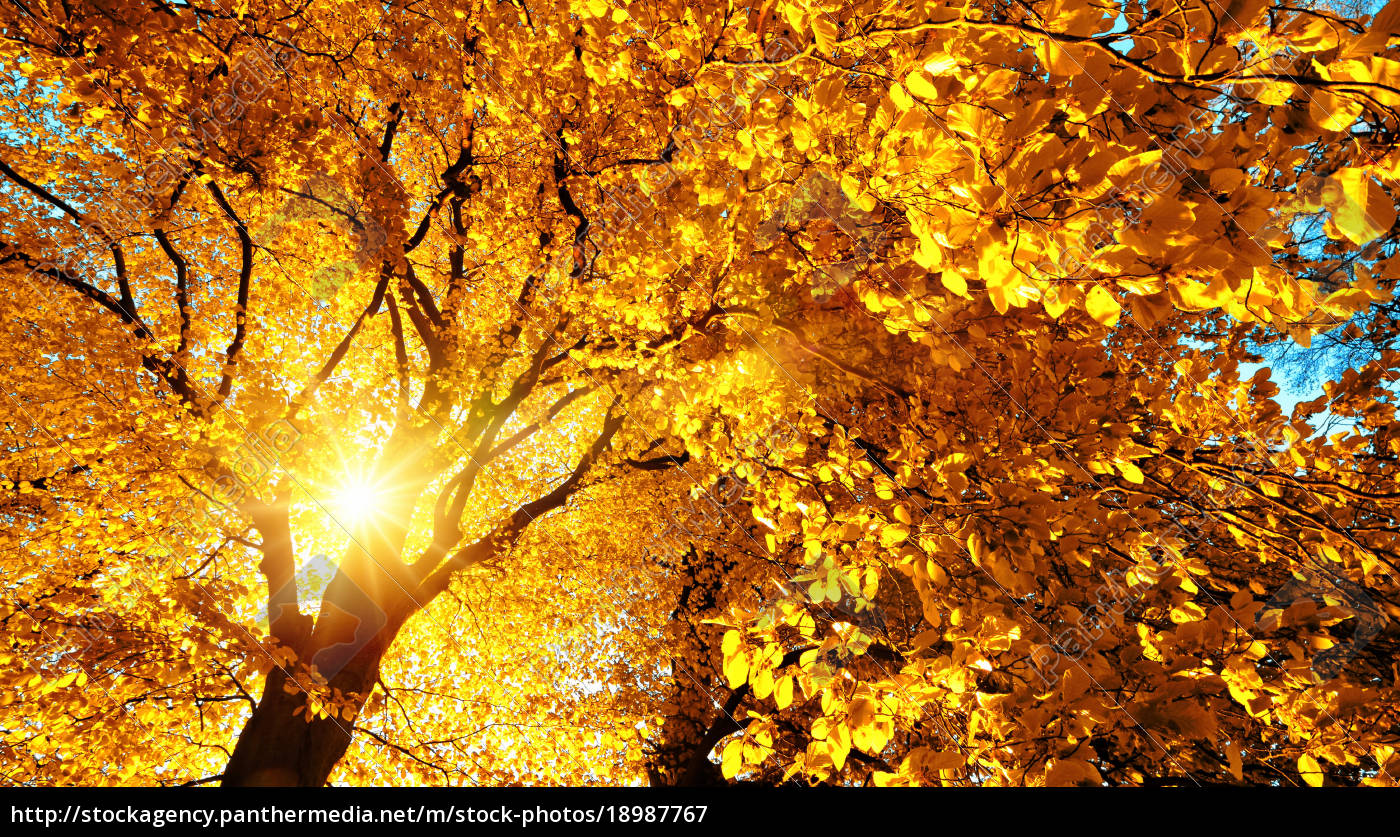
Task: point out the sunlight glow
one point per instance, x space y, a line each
356 501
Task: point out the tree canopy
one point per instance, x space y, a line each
641 391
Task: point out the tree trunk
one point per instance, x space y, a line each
362 610
681 757
278 746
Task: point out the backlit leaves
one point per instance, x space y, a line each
928 338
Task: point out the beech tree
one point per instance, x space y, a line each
606 392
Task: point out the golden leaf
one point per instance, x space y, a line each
1102 306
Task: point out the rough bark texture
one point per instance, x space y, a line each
693 729
278 746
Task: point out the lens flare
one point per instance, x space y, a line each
357 500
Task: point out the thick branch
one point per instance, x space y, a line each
245 281
182 288
436 578
118 259
171 373
287 624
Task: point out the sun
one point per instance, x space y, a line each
357 500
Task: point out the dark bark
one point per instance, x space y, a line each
278 746
355 628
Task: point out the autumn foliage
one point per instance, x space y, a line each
617 392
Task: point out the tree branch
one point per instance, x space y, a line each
245 281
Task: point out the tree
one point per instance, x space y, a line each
599 392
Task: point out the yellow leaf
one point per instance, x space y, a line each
1232 753
1198 297
839 740
1332 112
730 643
872 737
1310 770
920 85
733 758
1056 300
782 692
1056 59
893 534
922 758
954 282
1362 211
825 33
1187 612
736 670
1102 306
1130 472
861 711
762 683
